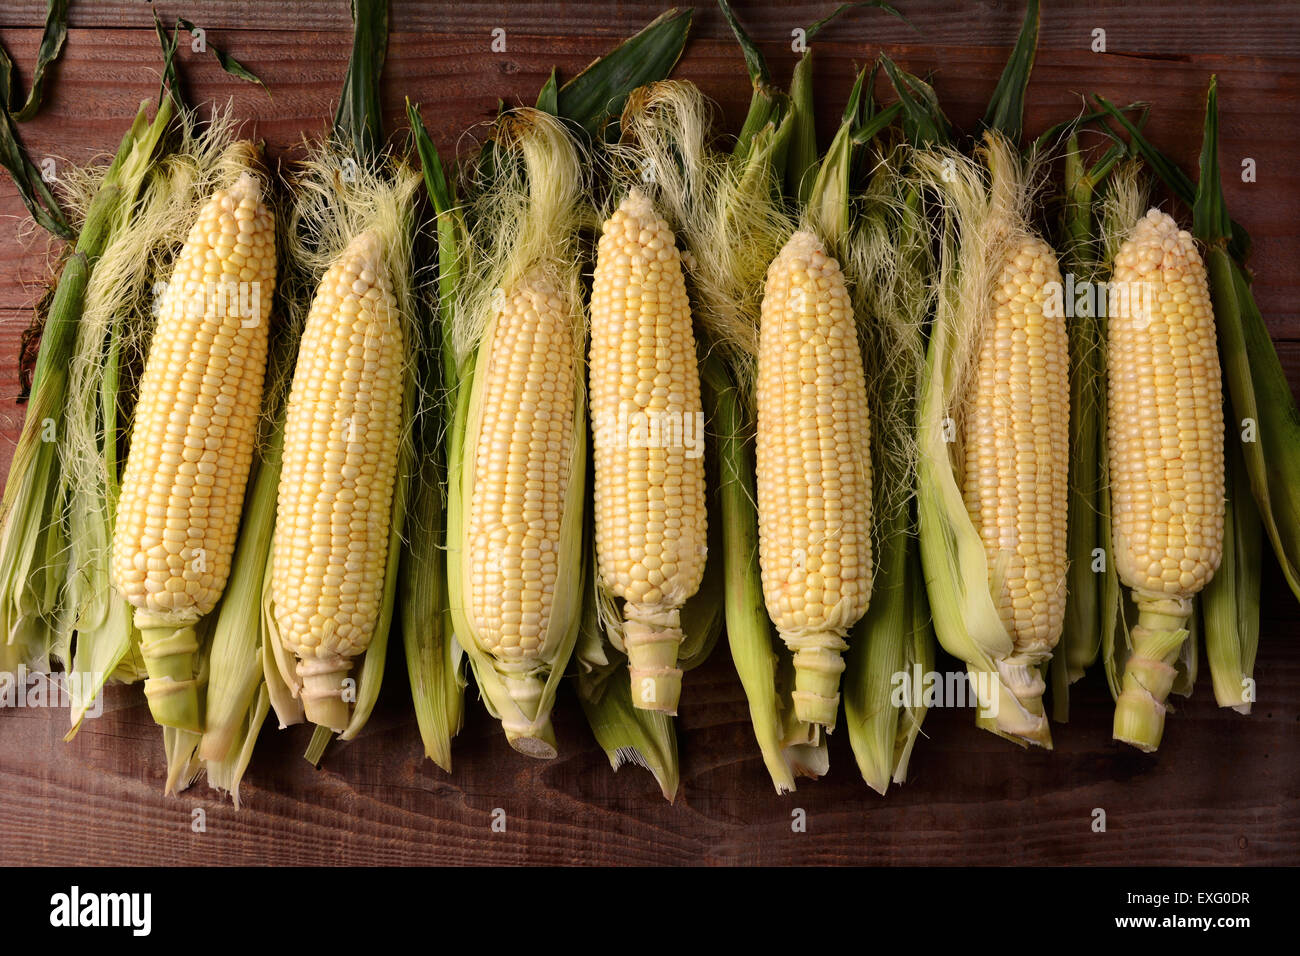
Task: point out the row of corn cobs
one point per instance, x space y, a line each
832 406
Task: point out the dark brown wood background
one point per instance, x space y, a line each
1223 789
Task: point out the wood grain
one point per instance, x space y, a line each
1223 789
1165 28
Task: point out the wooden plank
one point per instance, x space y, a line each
1221 790
100 87
1163 27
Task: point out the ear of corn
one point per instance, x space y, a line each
341 443
192 439
120 303
1257 384
814 470
1015 447
992 347
650 510
1165 448
663 172
522 470
517 458
729 221
520 544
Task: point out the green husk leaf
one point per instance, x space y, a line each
434 659
890 263
627 733
359 116
1169 172
749 631
827 201
893 640
170 86
319 743
630 735
1230 602
548 98
225 775
801 157
183 766
1006 112
52 40
32 188
598 93
1266 414
1265 410
181 747
877 124
924 123
1081 637
1122 203
236 681
816 27
225 60
755 62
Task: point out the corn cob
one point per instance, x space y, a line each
1015 455
1165 448
651 521
192 441
521 471
341 444
814 469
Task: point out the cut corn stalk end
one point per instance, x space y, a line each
171 688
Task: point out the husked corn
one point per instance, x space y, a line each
522 463
651 515
192 438
814 469
1016 449
341 441
1165 432
1165 447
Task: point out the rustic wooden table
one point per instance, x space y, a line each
1223 788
